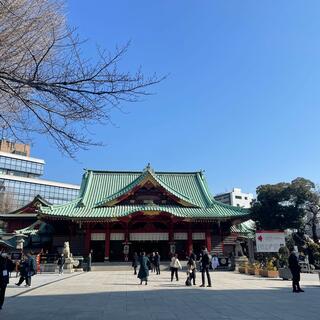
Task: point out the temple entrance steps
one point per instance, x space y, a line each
216 245
125 266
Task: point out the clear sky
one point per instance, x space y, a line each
242 97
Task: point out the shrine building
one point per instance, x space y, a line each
119 213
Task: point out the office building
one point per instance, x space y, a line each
20 179
235 198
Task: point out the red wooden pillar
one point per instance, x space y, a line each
208 238
87 239
126 235
189 241
171 235
107 243
221 237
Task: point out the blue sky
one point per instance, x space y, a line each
241 100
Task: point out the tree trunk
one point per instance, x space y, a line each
314 232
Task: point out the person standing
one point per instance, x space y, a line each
89 261
135 262
174 266
157 262
152 261
61 262
295 270
144 268
6 266
205 263
191 265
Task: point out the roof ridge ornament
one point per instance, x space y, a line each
148 168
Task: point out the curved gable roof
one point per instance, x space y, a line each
100 192
147 175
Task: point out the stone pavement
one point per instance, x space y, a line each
117 295
37 281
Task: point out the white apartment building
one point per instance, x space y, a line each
235 198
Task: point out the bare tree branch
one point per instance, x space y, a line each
47 86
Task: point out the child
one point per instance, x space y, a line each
191 272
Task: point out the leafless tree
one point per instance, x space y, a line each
313 214
48 86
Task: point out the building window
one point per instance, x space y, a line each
238 197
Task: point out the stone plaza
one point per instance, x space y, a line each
118 295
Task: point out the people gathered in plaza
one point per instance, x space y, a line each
27 269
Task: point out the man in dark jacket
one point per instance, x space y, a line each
6 266
205 263
295 270
157 262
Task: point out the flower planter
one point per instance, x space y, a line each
263 272
273 273
242 270
251 271
256 272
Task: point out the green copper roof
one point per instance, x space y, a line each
100 191
247 227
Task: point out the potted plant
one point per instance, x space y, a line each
272 271
284 271
253 268
243 267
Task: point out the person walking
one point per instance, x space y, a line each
174 266
295 270
157 262
205 263
23 270
61 262
31 268
135 262
143 273
6 266
191 267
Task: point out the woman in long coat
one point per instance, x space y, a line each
144 268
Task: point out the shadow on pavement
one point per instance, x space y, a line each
146 303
